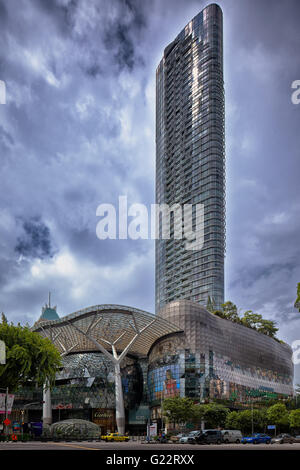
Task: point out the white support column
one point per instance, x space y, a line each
47 408
120 409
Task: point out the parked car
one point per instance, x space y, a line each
114 436
209 436
283 439
177 437
297 439
192 437
232 435
189 438
257 439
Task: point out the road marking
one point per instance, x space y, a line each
73 445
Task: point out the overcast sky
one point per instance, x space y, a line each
78 130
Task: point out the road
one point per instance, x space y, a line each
133 445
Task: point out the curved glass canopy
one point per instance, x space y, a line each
106 324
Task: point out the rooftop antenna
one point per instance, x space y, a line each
49 299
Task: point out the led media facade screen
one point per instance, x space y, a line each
164 382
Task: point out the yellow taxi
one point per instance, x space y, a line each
114 436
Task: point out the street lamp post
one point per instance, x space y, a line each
161 407
252 421
252 417
6 409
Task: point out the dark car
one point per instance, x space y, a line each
283 439
209 436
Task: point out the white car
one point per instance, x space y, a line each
177 437
231 435
188 437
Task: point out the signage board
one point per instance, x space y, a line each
2 403
10 400
105 418
16 426
190 426
153 429
139 415
271 426
63 406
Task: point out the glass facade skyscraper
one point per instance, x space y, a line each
190 158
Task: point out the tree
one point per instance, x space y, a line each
245 418
198 412
245 421
230 311
251 319
267 327
256 321
297 302
294 419
219 313
232 420
29 357
260 419
214 415
278 415
178 409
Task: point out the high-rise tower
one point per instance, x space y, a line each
190 157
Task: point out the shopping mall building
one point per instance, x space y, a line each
183 351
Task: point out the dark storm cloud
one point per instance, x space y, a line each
36 241
120 38
78 130
3 13
125 48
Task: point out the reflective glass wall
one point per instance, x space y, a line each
215 358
